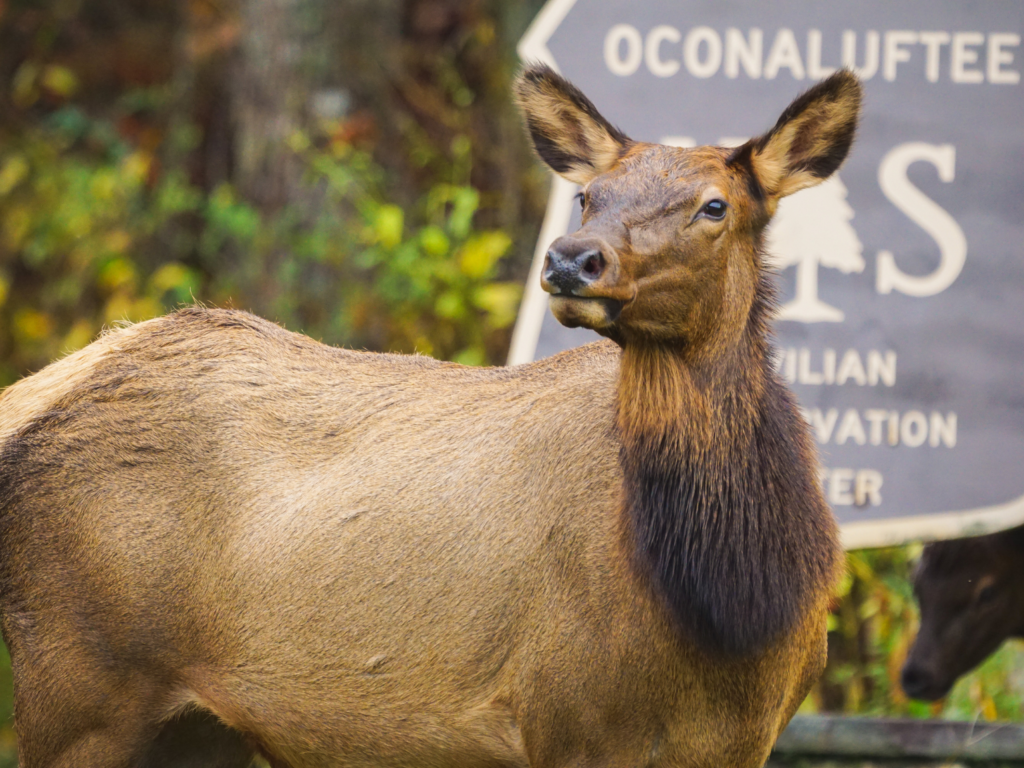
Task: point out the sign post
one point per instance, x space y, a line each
901 322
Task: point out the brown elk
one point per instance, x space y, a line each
619 556
971 595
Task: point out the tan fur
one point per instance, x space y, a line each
808 135
570 129
324 579
222 537
33 396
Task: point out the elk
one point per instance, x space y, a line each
971 596
211 528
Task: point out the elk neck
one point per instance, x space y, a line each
727 518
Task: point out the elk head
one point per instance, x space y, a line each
669 249
971 596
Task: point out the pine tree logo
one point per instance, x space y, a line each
812 229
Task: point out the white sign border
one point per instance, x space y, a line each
526 334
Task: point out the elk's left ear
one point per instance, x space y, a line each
567 131
810 140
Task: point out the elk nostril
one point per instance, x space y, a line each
593 266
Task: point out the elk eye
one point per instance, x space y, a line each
714 209
582 199
986 595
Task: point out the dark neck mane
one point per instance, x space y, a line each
724 504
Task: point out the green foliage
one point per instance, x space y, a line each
89 238
871 629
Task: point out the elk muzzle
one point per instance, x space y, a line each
919 682
579 274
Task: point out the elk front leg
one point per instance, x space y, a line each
72 711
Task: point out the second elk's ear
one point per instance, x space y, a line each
567 131
809 141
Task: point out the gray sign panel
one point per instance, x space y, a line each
901 328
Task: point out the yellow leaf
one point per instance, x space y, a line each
103 185
485 32
117 241
423 346
340 149
116 274
481 252
449 305
500 301
298 142
117 309
80 334
14 171
145 309
471 356
79 225
172 275
59 80
434 241
388 224
869 608
809 706
845 583
24 90
136 166
17 225
32 325
4 289
860 567
988 709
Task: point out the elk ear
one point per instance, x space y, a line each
810 140
567 131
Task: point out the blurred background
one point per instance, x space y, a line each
353 170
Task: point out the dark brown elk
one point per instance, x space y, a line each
971 595
619 556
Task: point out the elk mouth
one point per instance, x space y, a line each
585 311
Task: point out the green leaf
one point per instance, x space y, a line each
434 241
174 277
60 81
388 223
481 252
450 306
471 356
500 301
13 173
465 201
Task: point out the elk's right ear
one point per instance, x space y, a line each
809 141
567 131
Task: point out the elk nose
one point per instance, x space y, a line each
571 265
916 681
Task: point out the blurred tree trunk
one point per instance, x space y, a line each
280 61
423 84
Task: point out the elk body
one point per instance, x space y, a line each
211 528
971 595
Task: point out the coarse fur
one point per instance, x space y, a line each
726 514
971 595
213 529
721 499
566 129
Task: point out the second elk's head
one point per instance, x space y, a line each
670 249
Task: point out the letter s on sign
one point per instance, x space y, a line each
926 213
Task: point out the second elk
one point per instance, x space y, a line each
971 595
